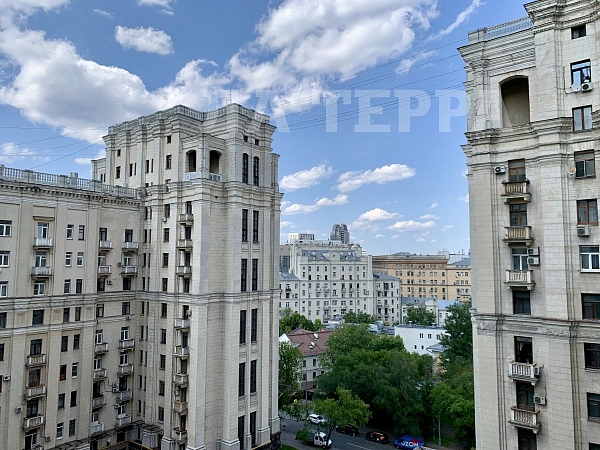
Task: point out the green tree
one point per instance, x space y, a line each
345 408
290 323
361 317
419 316
290 369
458 340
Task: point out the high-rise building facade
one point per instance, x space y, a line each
145 309
532 95
340 232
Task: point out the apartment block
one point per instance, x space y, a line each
140 306
533 121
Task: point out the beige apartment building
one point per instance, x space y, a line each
533 124
143 307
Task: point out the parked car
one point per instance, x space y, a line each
348 429
377 436
320 440
316 419
408 442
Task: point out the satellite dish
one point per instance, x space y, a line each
576 87
572 170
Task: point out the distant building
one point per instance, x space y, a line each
340 232
438 307
419 339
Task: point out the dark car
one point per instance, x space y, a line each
378 436
348 429
408 442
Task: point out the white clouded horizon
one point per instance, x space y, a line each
305 178
143 39
298 208
411 225
350 181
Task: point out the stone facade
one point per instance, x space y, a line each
532 128
153 297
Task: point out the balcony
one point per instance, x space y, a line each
125 369
99 374
523 372
104 270
101 348
214 176
186 218
184 243
96 428
131 246
189 176
184 271
36 360
33 422
518 235
522 418
105 245
519 279
125 396
181 352
98 402
180 379
129 270
35 391
179 407
42 242
126 344
182 324
123 420
518 190
42 272
179 435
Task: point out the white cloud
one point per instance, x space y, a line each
429 217
286 224
167 12
297 208
378 236
396 236
349 181
433 206
103 13
411 225
464 199
366 219
11 152
143 39
408 63
461 18
447 227
305 178
419 240
161 3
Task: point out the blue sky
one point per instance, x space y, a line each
388 163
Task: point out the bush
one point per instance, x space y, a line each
303 436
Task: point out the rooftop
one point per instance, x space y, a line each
309 342
504 29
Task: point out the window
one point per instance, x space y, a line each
68 259
125 308
518 214
523 350
165 284
245 168
118 172
79 285
72 427
124 333
516 171
4 258
594 446
254 226
585 164
126 284
163 336
1 352
3 320
3 292
254 325
161 388
100 310
581 72
188 207
590 258
240 431
42 230
163 310
67 290
79 259
587 212
578 32
243 326
35 347
592 355
161 414
165 260
40 259
103 234
244 225
254 274
66 314
253 376
519 257
253 428
74 370
525 394
77 313
591 306
5 228
582 118
163 362
255 169
61 401
521 302
38 317
593 403
147 166
169 158
62 372
64 344
242 380
76 341
527 439
166 233
59 430
244 275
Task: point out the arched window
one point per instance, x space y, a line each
255 170
515 102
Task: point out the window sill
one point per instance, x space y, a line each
590 270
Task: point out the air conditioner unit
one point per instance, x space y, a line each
586 87
575 87
109 282
5 377
584 230
164 219
536 371
538 399
533 261
500 170
533 251
18 409
119 264
47 438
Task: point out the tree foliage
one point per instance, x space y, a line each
295 320
419 316
290 369
361 317
343 409
458 340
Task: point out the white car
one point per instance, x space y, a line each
316 419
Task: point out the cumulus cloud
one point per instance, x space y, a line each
433 206
11 152
429 217
143 39
162 3
464 199
286 224
101 12
349 181
305 178
419 240
298 208
447 227
366 219
378 236
411 225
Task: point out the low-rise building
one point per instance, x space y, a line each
419 339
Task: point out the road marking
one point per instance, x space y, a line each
354 445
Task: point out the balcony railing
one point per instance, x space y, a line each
184 243
129 270
214 176
507 28
104 270
101 348
123 421
516 190
98 402
105 245
180 378
514 235
126 344
45 271
125 369
523 418
96 428
131 245
189 176
182 323
519 278
181 352
33 422
124 396
35 391
183 270
186 218
42 242
179 435
523 372
179 407
99 374
36 360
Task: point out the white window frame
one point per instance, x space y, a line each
75 370
43 230
79 259
590 258
4 258
41 259
99 337
124 333
70 231
123 358
97 363
68 259
39 288
3 288
5 228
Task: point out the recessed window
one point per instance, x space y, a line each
592 355
118 172
38 317
590 306
578 32
79 259
582 118
518 214
81 234
5 228
585 164
168 139
587 212
581 72
593 404
589 256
